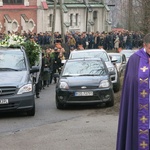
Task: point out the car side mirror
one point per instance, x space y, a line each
114 60
34 69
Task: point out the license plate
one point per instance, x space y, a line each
3 101
83 93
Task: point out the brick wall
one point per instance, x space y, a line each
32 2
16 14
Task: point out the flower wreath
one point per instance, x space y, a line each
32 49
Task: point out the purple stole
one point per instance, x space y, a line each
143 105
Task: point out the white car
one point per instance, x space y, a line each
100 53
127 53
120 63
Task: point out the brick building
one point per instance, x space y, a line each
18 15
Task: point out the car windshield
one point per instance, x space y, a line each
117 57
12 60
88 54
84 68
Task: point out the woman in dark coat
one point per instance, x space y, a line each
45 70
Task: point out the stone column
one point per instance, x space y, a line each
1 2
26 2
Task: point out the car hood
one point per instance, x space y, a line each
83 80
13 78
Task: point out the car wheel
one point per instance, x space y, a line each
59 105
111 103
116 86
32 111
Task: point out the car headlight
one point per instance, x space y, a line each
104 84
111 69
63 85
24 89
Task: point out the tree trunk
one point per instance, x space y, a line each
53 25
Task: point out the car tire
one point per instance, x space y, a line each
32 111
116 86
59 105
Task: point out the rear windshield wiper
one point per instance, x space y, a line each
8 69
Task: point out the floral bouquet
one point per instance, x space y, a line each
12 41
32 49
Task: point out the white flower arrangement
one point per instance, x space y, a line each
15 41
12 40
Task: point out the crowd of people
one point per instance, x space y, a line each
109 40
52 62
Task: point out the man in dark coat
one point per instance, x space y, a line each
133 127
55 65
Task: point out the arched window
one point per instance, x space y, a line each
15 26
95 15
71 19
77 19
50 20
13 2
31 25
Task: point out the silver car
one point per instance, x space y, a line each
127 53
99 53
120 63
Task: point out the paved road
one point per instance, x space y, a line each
82 128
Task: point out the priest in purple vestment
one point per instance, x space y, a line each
133 126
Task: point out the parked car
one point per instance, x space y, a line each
135 50
120 62
17 88
84 81
127 53
100 53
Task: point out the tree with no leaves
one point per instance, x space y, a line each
135 15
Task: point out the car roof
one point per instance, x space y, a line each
10 49
88 50
84 59
125 50
115 54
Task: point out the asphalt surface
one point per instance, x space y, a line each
83 133
82 128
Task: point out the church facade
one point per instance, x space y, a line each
77 16
37 16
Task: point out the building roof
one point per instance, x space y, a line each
81 1
44 4
76 4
